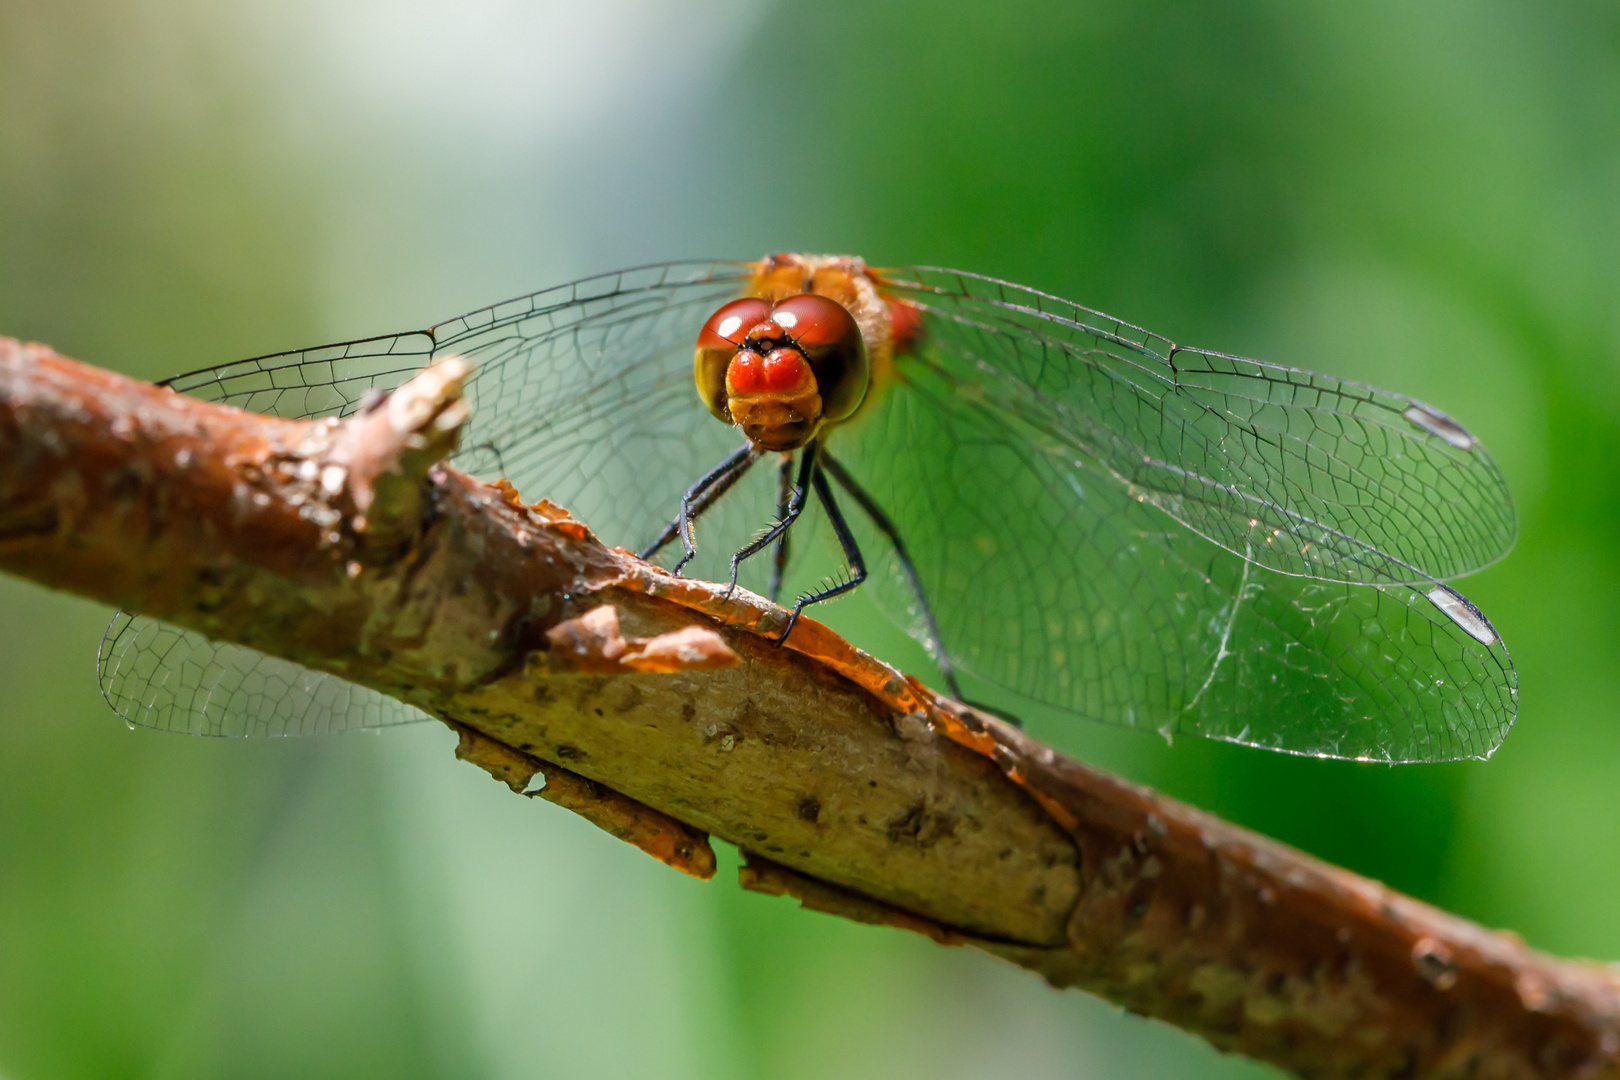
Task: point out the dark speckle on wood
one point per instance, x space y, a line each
921 827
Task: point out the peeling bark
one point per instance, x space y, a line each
656 708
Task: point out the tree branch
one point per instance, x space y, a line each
656 708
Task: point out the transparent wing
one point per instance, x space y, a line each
577 391
1062 576
1060 542
1302 473
157 675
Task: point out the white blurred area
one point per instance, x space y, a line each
473 151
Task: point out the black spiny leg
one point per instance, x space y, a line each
937 644
699 497
708 499
784 495
801 488
886 527
846 540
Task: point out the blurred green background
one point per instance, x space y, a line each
1419 194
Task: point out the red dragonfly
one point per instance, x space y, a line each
1061 506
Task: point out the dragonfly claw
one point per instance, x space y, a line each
793 621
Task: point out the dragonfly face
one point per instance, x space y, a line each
781 371
1056 502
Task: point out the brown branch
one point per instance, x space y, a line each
654 707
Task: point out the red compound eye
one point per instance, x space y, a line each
816 322
727 326
717 343
831 340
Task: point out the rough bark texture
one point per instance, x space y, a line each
655 708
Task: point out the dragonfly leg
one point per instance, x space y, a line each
699 497
795 507
846 540
936 643
784 495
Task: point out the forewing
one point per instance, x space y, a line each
582 394
1050 578
1303 473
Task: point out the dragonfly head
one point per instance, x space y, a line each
781 371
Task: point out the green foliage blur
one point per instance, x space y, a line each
1417 194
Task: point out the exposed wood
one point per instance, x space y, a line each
345 547
659 835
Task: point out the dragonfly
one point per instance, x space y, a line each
1066 508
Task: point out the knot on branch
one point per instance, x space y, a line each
381 455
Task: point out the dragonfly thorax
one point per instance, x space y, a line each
782 371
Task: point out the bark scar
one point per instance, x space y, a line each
592 644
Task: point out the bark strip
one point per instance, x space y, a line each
659 835
655 708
